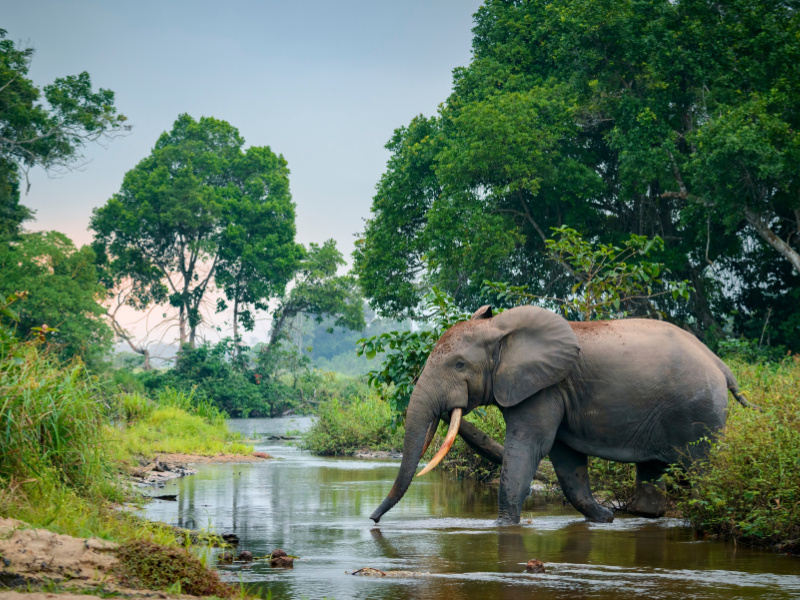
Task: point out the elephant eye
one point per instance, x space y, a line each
460 365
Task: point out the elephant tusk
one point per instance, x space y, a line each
429 436
455 421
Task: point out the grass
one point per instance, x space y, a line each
63 437
171 421
341 428
54 470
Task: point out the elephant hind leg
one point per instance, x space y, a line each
650 500
571 468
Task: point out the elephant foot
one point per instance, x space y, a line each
600 515
649 501
505 521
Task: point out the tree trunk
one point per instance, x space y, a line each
762 228
237 346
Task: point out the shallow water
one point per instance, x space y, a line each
318 509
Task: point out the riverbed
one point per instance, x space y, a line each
318 509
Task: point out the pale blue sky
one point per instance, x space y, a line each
324 83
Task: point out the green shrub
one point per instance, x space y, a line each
341 428
749 488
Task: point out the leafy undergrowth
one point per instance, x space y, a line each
146 565
341 428
749 488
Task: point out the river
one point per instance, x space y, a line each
318 509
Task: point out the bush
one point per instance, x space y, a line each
340 427
749 488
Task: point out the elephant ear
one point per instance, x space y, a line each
537 349
484 312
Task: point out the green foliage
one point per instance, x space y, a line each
750 351
749 488
319 293
611 280
61 291
613 483
342 427
211 371
408 351
676 120
199 208
257 252
49 135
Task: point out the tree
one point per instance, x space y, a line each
50 136
646 117
258 255
62 292
200 210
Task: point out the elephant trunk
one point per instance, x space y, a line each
421 422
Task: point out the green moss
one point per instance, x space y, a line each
146 565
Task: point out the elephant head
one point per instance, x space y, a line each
504 359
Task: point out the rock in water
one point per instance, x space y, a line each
226 558
278 553
535 566
369 572
281 561
246 556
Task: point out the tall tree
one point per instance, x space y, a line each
654 117
257 254
50 135
163 227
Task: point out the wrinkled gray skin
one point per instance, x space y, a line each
634 390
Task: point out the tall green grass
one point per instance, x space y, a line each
54 469
63 440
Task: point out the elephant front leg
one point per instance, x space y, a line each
571 468
650 499
530 431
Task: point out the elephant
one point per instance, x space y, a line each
637 391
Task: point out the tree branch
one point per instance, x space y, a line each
763 229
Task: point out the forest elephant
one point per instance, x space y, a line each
631 390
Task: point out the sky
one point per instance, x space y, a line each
324 83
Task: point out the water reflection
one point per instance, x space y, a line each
318 508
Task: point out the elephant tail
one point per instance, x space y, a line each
733 386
